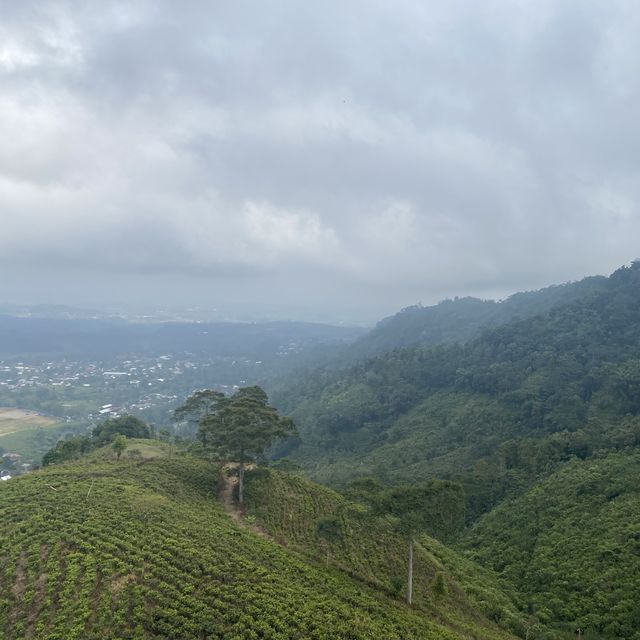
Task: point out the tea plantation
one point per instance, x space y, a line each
289 507
99 549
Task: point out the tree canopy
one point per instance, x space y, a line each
129 426
197 406
243 425
238 428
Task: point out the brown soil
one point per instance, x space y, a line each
119 583
227 498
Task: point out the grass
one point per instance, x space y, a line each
29 433
14 420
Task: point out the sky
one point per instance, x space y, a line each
334 160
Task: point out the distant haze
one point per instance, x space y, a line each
333 160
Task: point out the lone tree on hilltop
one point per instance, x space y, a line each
238 427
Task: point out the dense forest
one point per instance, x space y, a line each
571 545
460 319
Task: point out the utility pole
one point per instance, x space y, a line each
410 573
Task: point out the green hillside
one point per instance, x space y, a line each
367 547
538 419
571 545
100 549
496 413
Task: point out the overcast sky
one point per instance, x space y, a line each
336 159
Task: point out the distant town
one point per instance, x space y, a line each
73 390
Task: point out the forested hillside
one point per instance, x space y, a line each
496 411
141 548
538 419
461 319
571 545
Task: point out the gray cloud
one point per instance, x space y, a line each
335 154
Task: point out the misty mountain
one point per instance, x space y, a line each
460 319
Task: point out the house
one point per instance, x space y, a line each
5 475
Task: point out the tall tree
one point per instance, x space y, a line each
238 427
197 406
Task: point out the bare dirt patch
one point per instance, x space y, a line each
19 585
227 497
21 577
40 585
120 583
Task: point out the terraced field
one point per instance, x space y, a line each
142 549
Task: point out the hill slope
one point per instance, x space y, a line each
99 549
367 547
572 546
516 400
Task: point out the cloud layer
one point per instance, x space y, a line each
334 154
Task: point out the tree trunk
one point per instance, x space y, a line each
241 483
410 574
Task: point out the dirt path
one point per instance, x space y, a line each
229 484
226 497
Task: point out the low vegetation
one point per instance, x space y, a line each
446 586
96 548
